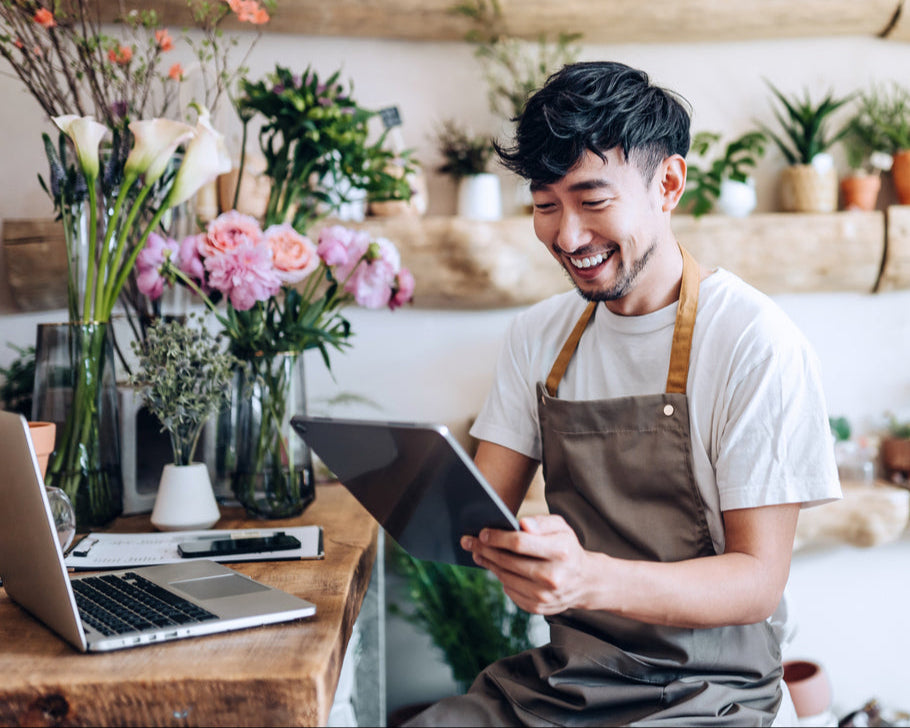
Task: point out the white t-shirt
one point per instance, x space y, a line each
758 419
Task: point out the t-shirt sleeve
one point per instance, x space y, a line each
776 444
509 413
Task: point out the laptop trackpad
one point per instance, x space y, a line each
216 587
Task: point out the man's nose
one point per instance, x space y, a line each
572 233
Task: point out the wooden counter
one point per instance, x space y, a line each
273 675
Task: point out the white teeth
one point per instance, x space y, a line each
588 262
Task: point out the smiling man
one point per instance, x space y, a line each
681 425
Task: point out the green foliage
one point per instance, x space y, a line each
804 126
19 382
464 153
880 123
898 428
184 378
465 612
703 183
315 141
513 68
840 428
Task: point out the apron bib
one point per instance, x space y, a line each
620 472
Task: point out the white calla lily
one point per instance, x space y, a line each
86 134
154 143
205 158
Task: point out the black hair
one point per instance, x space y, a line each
596 106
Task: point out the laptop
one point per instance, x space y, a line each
157 603
413 478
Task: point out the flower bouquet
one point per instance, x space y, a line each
284 295
86 464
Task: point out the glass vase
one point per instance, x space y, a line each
273 474
75 388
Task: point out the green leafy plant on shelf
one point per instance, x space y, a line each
513 68
804 125
703 183
464 153
450 602
184 378
881 120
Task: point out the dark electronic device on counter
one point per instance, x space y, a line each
242 545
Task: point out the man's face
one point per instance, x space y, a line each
601 223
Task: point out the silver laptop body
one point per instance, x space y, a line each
413 478
35 577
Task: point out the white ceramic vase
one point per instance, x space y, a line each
480 197
736 199
185 501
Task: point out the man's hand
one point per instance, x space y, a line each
543 567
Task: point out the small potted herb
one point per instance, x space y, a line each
727 182
809 183
465 159
183 377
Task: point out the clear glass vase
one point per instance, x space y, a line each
75 388
273 474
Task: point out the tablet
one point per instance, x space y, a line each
415 479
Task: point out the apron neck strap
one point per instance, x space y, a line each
682 333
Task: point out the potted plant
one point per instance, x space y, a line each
809 183
860 186
881 126
465 159
895 450
184 378
726 183
19 382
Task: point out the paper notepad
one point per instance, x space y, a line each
126 550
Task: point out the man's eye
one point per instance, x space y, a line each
595 203
543 206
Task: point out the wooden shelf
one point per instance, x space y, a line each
460 263
606 21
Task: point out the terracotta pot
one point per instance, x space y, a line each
809 687
43 436
860 192
900 173
896 455
804 188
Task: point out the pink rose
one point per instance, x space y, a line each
229 231
149 262
293 255
371 283
245 275
404 289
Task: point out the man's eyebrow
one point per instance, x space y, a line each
588 184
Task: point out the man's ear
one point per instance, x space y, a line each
672 172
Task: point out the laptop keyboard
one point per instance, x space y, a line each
118 604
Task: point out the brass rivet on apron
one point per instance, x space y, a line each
668 409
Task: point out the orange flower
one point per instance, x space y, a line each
44 18
249 11
164 40
176 72
122 55
19 44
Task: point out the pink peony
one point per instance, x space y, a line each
293 255
151 258
229 231
190 257
245 275
404 289
342 246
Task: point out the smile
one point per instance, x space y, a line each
590 261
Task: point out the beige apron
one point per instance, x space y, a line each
619 471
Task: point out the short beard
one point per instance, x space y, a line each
626 278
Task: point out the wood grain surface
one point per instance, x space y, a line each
273 675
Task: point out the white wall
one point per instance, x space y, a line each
436 365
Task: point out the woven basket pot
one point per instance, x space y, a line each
804 189
900 173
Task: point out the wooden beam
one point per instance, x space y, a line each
600 21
